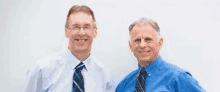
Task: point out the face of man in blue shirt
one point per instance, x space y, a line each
145 43
80 32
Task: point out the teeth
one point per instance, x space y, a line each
81 39
144 52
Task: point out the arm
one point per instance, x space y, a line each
119 88
33 82
186 83
109 85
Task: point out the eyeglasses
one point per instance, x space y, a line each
78 28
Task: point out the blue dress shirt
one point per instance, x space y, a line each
162 77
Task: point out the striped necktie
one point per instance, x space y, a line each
78 82
140 82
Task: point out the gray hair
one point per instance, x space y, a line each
145 20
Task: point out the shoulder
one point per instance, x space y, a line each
97 67
51 62
127 80
186 82
172 69
100 69
182 79
96 63
42 70
130 75
175 70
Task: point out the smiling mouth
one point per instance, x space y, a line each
81 40
144 51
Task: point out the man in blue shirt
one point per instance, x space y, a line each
153 73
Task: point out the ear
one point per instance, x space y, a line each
66 33
95 33
160 42
129 42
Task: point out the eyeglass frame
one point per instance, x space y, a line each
78 28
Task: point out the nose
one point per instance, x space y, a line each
81 31
142 44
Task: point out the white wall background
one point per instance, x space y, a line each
32 29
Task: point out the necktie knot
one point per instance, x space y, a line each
143 72
80 66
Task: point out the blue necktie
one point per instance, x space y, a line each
78 82
140 82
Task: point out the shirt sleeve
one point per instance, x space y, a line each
119 88
33 82
186 83
109 85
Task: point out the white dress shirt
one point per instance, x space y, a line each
55 74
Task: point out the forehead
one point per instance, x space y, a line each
143 30
80 18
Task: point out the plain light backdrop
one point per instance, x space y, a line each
33 29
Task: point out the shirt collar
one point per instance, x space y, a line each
74 61
153 66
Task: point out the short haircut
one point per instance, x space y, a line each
84 9
145 20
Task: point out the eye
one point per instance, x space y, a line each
148 39
86 27
137 40
76 27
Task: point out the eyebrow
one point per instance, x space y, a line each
75 25
149 38
141 37
86 24
135 38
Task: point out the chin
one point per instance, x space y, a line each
81 50
84 49
145 59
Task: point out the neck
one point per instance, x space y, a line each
146 63
82 56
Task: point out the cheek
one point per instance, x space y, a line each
135 48
71 34
155 47
92 35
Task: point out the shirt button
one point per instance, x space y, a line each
149 74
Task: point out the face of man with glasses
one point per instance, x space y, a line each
80 31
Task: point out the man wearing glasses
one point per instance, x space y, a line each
72 70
